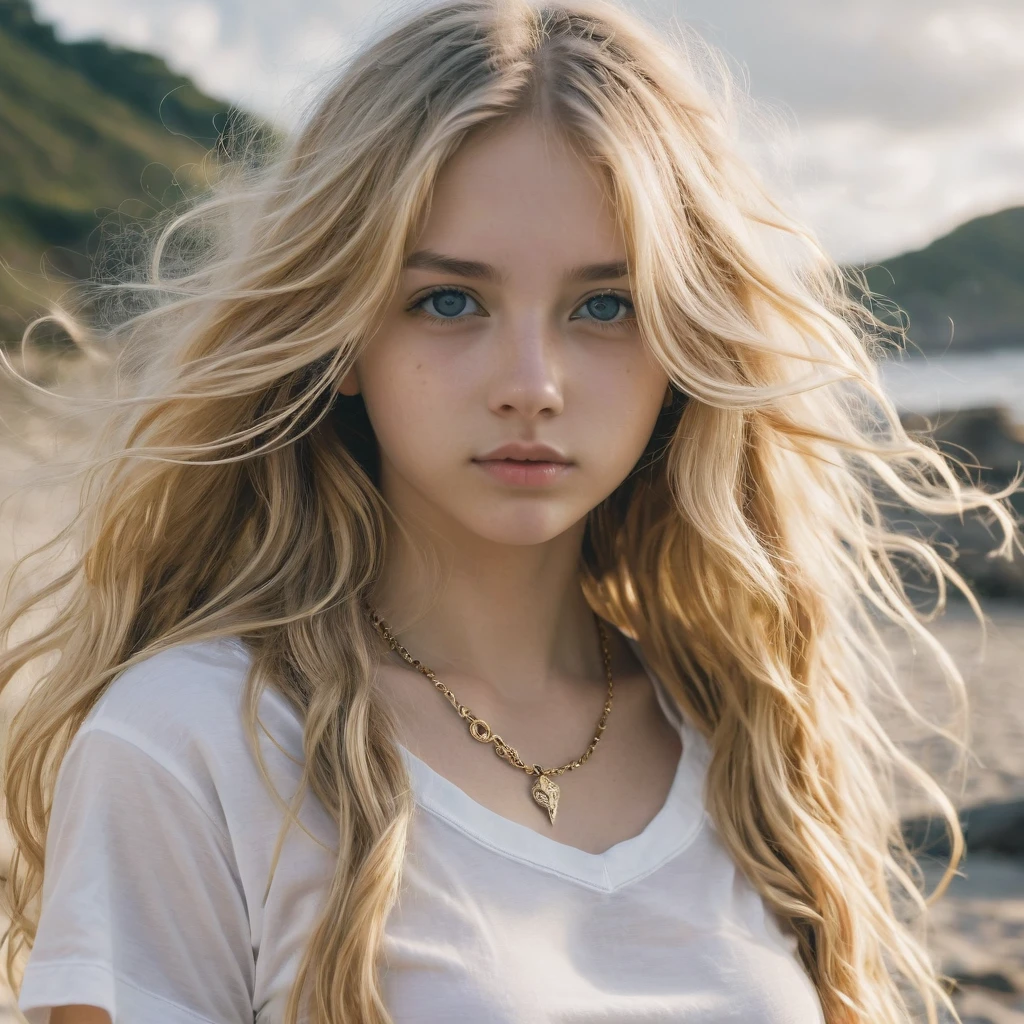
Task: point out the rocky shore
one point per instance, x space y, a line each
991 444
977 927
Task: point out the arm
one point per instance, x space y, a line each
79 1015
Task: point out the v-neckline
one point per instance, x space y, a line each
670 831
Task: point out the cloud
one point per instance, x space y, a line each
872 192
899 119
896 119
901 62
258 55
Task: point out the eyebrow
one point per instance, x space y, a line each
427 259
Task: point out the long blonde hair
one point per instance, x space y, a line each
234 492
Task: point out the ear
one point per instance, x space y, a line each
349 384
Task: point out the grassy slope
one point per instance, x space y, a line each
974 276
75 151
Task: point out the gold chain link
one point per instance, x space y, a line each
478 728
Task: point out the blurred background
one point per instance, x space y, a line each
895 128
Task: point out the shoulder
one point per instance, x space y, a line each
182 708
186 682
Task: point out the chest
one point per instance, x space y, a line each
611 797
531 934
641 971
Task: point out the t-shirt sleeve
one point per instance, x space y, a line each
143 912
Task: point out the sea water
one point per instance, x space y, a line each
948 383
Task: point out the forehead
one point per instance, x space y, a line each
520 194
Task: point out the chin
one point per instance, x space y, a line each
521 527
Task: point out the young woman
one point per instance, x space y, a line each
473 618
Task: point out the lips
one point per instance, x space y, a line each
525 464
519 451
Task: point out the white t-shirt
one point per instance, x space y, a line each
159 851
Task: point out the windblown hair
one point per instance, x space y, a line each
234 493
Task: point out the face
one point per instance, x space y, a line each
527 353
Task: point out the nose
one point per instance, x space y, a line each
527 376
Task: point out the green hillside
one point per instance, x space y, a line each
974 276
89 134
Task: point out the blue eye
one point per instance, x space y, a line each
604 307
450 302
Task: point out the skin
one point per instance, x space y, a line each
525 360
523 357
79 1015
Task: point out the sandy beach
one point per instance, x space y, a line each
978 928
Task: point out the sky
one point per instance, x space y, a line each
887 122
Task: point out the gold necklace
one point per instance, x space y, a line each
545 790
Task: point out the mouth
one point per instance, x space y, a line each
525 472
524 451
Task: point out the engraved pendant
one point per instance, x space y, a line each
545 792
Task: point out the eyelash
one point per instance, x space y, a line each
443 289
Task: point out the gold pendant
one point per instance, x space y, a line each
545 792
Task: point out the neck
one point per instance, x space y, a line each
512 617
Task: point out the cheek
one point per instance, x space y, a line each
407 404
626 405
